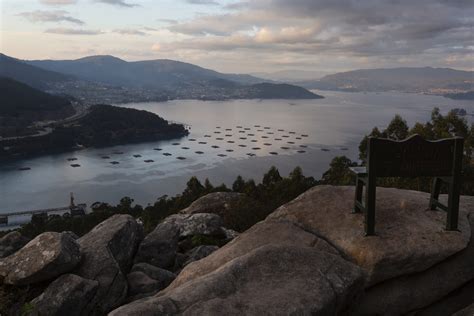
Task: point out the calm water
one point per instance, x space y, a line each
334 126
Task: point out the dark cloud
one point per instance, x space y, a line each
206 2
168 21
50 16
58 2
68 31
120 3
130 32
392 30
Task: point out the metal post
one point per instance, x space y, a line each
455 186
370 191
358 195
435 193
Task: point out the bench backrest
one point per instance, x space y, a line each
414 157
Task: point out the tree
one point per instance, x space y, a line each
208 186
126 203
238 185
339 173
363 144
397 129
194 188
271 177
297 174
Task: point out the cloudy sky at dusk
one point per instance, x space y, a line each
246 36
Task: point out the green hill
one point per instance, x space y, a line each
18 99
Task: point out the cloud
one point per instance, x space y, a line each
58 2
130 32
120 3
168 21
69 31
206 2
50 16
307 31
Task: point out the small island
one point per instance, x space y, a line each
469 95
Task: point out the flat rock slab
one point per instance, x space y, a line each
410 237
270 280
43 258
261 234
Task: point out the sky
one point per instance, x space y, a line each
243 36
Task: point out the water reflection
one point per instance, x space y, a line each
323 128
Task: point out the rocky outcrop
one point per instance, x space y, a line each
216 203
264 270
410 238
108 251
308 257
162 246
67 295
11 242
269 280
45 257
410 264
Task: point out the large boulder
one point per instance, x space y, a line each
160 247
145 280
108 251
274 267
67 295
468 311
162 275
45 257
410 237
141 285
265 233
269 280
217 203
414 291
11 243
198 253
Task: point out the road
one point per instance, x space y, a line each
47 127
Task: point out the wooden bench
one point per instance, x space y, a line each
412 157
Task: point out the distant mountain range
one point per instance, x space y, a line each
30 75
419 80
107 79
161 73
289 76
